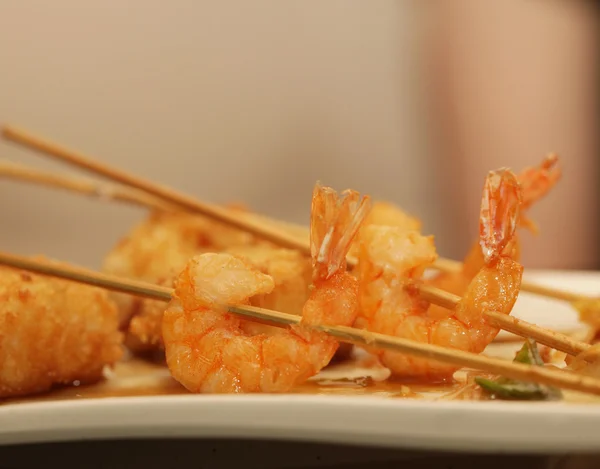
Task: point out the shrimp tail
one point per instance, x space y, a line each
334 222
536 183
500 206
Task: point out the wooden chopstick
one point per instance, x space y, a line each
518 371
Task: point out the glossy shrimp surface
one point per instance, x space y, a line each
211 350
391 258
53 332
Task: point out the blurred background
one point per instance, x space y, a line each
408 101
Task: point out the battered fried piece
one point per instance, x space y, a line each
161 244
145 329
53 332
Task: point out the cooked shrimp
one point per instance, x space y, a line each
391 257
290 270
209 350
53 332
291 273
535 183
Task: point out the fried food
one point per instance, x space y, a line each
209 350
53 332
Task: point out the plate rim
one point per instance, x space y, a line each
483 427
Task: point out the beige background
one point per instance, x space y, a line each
232 100
249 101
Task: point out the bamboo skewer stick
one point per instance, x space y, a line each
110 192
80 185
548 376
250 224
553 339
169 195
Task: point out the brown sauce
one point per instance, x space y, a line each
137 377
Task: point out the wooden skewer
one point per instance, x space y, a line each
250 224
269 233
553 339
112 192
548 376
80 185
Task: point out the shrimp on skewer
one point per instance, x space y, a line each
210 350
536 183
290 271
53 332
391 257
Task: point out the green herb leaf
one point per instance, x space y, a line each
511 390
504 388
529 354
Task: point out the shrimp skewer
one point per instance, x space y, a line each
391 257
210 350
535 184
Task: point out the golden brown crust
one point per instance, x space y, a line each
53 332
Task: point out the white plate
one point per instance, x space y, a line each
374 419
551 313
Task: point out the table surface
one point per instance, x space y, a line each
219 454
